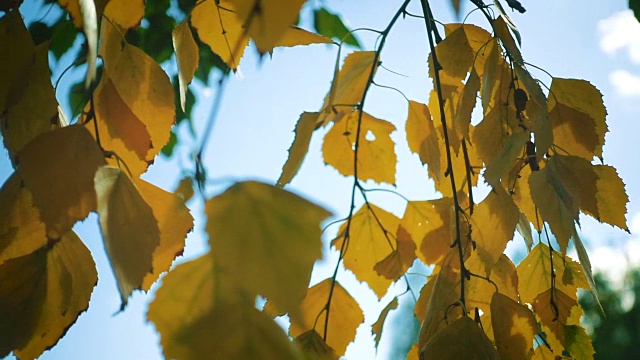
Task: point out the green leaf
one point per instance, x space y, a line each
331 26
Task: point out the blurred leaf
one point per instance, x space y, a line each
376 328
463 339
42 294
279 222
331 26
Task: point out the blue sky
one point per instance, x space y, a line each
592 40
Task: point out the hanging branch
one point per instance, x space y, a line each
429 22
356 182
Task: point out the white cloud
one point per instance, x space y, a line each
620 32
625 83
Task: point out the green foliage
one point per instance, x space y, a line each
534 148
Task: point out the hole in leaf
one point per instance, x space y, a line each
370 136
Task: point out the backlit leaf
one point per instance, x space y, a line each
553 307
252 221
142 85
396 264
455 54
463 339
126 13
129 229
502 32
188 312
466 104
174 222
331 26
376 328
514 327
578 342
479 292
376 157
536 111
368 243
21 231
503 161
42 294
35 111
120 130
187 55
422 137
611 197
577 116
428 224
314 347
348 86
73 7
344 315
534 274
220 28
69 157
295 36
267 21
298 150
494 222
16 54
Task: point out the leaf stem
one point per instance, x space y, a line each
429 22
356 183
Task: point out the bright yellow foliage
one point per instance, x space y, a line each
376 151
344 318
187 55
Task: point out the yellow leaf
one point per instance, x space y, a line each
344 315
578 342
295 36
557 204
442 298
348 86
521 194
16 54
459 169
35 111
314 347
553 307
536 111
543 353
252 221
126 13
611 197
185 189
129 229
219 27
188 312
42 294
376 328
466 104
369 241
376 151
422 137
120 130
534 274
21 231
494 222
394 265
298 150
428 222
463 339
69 157
186 294
454 54
187 55
495 138
142 85
505 158
174 222
502 32
267 21
577 115
514 327
479 292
